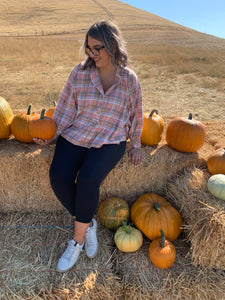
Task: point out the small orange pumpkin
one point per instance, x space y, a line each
185 134
50 111
20 126
43 128
162 252
216 162
6 116
153 126
151 212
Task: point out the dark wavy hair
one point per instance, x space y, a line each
109 34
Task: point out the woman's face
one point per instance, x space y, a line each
103 58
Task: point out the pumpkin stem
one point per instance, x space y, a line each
163 239
153 111
54 103
42 114
117 205
29 109
190 116
156 206
126 227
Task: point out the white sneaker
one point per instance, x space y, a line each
70 256
90 241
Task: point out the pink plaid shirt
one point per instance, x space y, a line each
87 116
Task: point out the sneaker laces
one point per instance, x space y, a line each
70 249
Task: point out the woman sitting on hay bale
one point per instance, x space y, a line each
99 107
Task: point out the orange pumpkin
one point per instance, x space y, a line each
43 128
151 212
20 126
185 134
153 126
216 162
162 252
6 116
50 111
112 212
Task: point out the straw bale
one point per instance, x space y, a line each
25 186
204 216
31 244
181 281
31 247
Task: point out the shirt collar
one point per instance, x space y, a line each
97 82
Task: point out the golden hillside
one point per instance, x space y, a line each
56 17
180 69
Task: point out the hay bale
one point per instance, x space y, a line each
204 216
31 244
25 186
182 280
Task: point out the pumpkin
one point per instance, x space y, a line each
151 212
112 212
43 128
20 126
216 186
153 126
50 111
6 116
185 134
216 162
162 252
128 239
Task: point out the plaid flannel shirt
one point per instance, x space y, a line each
87 116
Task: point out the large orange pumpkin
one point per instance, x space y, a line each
152 213
50 111
43 128
162 252
20 126
216 162
185 134
6 116
112 212
153 126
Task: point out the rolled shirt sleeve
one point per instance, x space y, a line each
136 113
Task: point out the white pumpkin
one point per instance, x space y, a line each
216 186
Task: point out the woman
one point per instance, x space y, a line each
100 106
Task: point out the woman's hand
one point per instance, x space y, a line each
136 156
44 142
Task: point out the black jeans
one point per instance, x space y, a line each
77 172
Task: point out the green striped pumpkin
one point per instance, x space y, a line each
112 212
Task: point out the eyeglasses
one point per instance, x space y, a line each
94 51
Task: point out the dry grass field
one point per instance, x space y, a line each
180 70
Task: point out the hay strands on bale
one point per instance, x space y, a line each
204 216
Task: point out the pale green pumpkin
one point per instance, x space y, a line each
216 186
128 238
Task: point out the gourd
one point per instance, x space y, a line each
216 162
50 111
20 126
216 186
151 212
185 134
112 212
43 128
153 126
6 116
128 239
162 252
